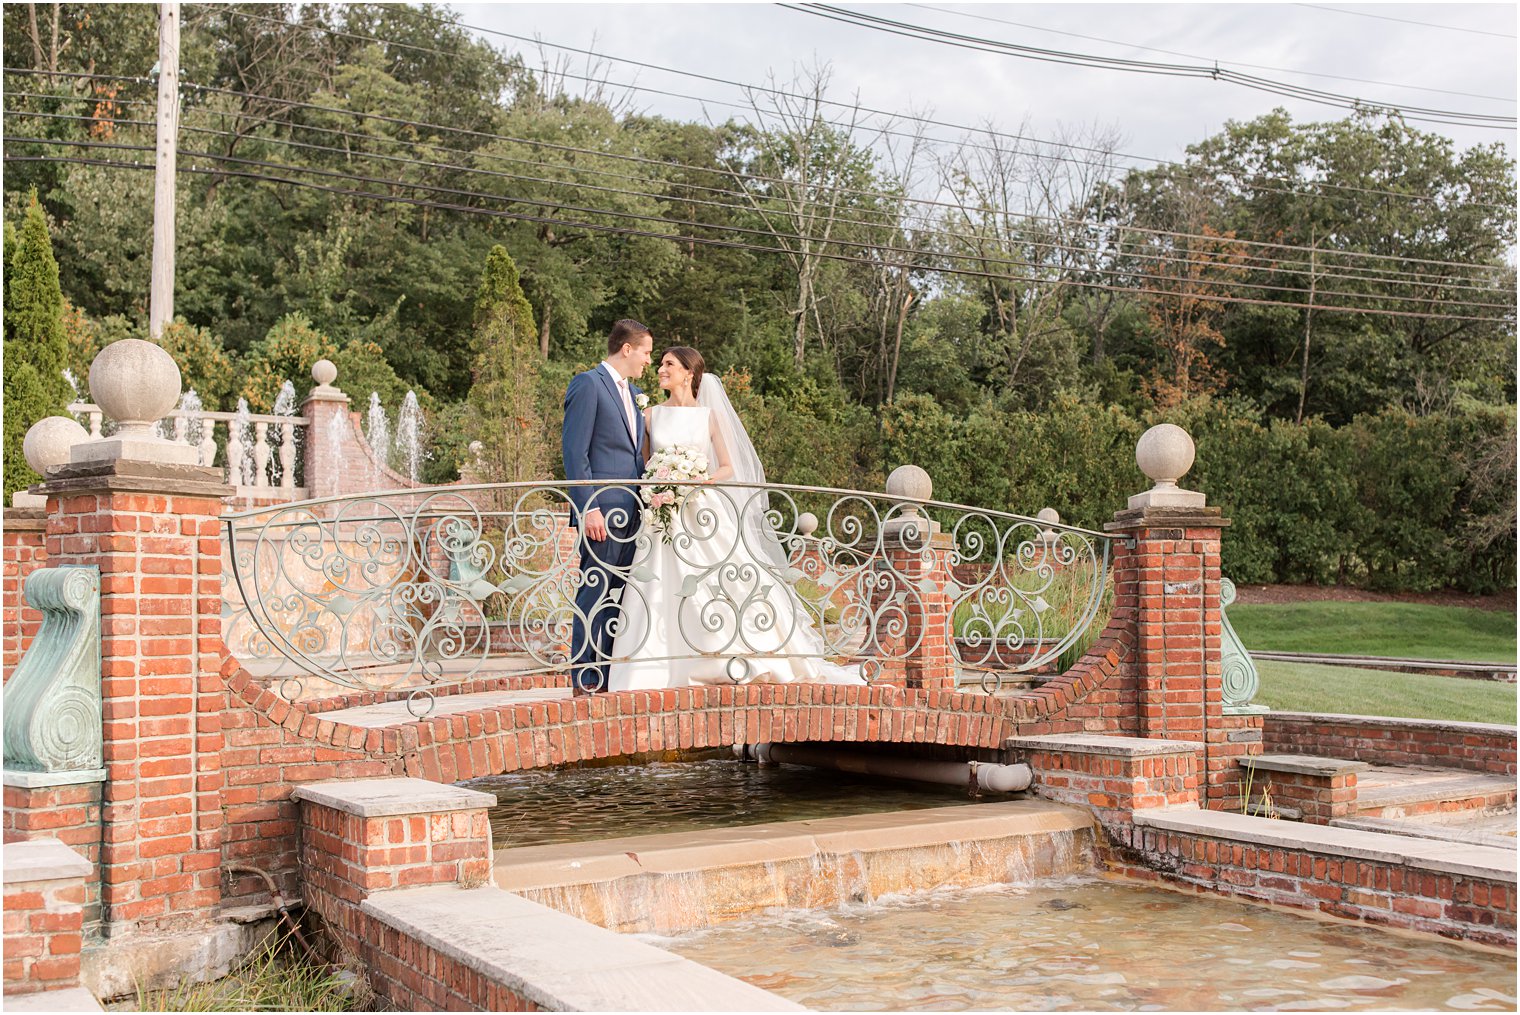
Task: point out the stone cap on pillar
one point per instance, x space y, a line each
377 798
1165 453
136 383
324 372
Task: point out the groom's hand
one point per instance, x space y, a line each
594 525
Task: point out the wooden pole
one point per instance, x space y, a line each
161 303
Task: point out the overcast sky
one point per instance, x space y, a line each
1473 55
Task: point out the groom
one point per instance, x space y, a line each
603 438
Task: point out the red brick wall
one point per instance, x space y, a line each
1112 783
1456 906
1473 747
1318 798
43 934
70 814
25 544
415 977
160 557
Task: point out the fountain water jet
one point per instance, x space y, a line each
377 432
409 437
240 447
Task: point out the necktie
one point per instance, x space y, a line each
628 409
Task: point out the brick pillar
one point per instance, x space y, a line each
25 551
327 434
153 530
364 836
912 640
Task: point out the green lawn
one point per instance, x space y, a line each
1304 687
1408 630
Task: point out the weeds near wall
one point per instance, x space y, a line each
274 978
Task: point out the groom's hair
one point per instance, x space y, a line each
624 332
691 360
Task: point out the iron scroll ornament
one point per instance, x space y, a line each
405 591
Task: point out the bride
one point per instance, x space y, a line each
710 604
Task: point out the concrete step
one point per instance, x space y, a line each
1398 791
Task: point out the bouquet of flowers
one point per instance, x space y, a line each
662 502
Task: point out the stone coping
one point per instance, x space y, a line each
1380 847
1393 722
1095 743
574 863
42 780
1303 764
43 860
72 999
379 798
1427 830
556 961
385 714
26 519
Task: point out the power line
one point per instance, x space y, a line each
1267 264
709 241
1193 56
1216 72
667 165
731 229
782 93
1406 21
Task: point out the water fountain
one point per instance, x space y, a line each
284 464
191 425
409 437
377 432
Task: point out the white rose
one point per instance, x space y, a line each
642 400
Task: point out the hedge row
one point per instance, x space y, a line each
1392 501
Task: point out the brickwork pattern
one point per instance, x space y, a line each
160 560
1113 786
1317 798
1473 747
1455 906
415 977
44 923
345 858
1172 574
25 550
70 814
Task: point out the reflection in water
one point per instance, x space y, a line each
572 805
1085 944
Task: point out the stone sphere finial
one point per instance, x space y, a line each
135 383
807 523
48 442
476 447
1165 454
324 372
910 481
1049 516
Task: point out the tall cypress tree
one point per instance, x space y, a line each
35 348
503 403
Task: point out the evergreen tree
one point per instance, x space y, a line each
35 348
503 405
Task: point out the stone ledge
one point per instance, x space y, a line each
71 999
380 798
1095 743
1386 722
25 519
1426 830
44 780
1426 854
129 476
43 860
1304 764
529 868
556 961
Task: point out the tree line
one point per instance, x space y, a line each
876 294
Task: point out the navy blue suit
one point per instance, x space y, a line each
596 444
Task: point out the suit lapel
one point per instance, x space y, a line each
617 401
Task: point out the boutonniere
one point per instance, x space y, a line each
641 400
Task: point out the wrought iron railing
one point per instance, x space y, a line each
410 590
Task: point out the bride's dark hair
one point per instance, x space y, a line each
691 360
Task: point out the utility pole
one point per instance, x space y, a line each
161 302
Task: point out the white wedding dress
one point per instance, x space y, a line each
709 606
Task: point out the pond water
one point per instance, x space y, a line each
576 804
1084 943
